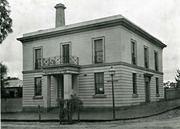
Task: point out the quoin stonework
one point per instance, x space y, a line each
75 60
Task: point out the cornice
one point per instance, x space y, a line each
92 26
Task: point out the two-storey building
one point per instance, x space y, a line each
76 58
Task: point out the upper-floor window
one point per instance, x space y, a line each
37 86
146 57
37 58
65 53
134 81
98 46
156 60
99 83
133 52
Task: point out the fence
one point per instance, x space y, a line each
11 105
172 93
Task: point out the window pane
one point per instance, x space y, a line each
38 86
38 53
99 83
98 44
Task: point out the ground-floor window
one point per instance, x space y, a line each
157 86
134 81
37 86
99 83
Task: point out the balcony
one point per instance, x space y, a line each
59 61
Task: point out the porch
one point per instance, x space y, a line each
60 79
58 86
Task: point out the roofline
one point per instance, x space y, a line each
92 26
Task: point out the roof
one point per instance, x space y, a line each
14 83
90 25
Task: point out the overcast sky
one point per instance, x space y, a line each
161 18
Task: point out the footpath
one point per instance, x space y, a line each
124 113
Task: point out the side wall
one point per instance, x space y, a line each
123 87
126 37
28 91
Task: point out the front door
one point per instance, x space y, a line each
147 89
65 52
60 86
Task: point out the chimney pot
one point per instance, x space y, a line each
60 15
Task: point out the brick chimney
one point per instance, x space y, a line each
60 15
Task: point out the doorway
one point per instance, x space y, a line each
147 80
147 90
60 86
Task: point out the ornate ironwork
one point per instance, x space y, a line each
60 60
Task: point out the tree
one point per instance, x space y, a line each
5 20
177 78
3 73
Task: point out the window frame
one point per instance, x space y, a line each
70 48
35 87
133 44
146 57
34 57
93 49
101 84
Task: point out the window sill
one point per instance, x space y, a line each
99 96
157 95
37 97
135 95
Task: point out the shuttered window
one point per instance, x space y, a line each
99 83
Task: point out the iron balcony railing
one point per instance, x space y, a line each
60 60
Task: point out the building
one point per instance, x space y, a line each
75 59
13 88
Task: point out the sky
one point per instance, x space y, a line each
160 18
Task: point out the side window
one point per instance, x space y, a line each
156 60
98 50
37 58
37 86
157 87
133 52
99 83
134 82
146 57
